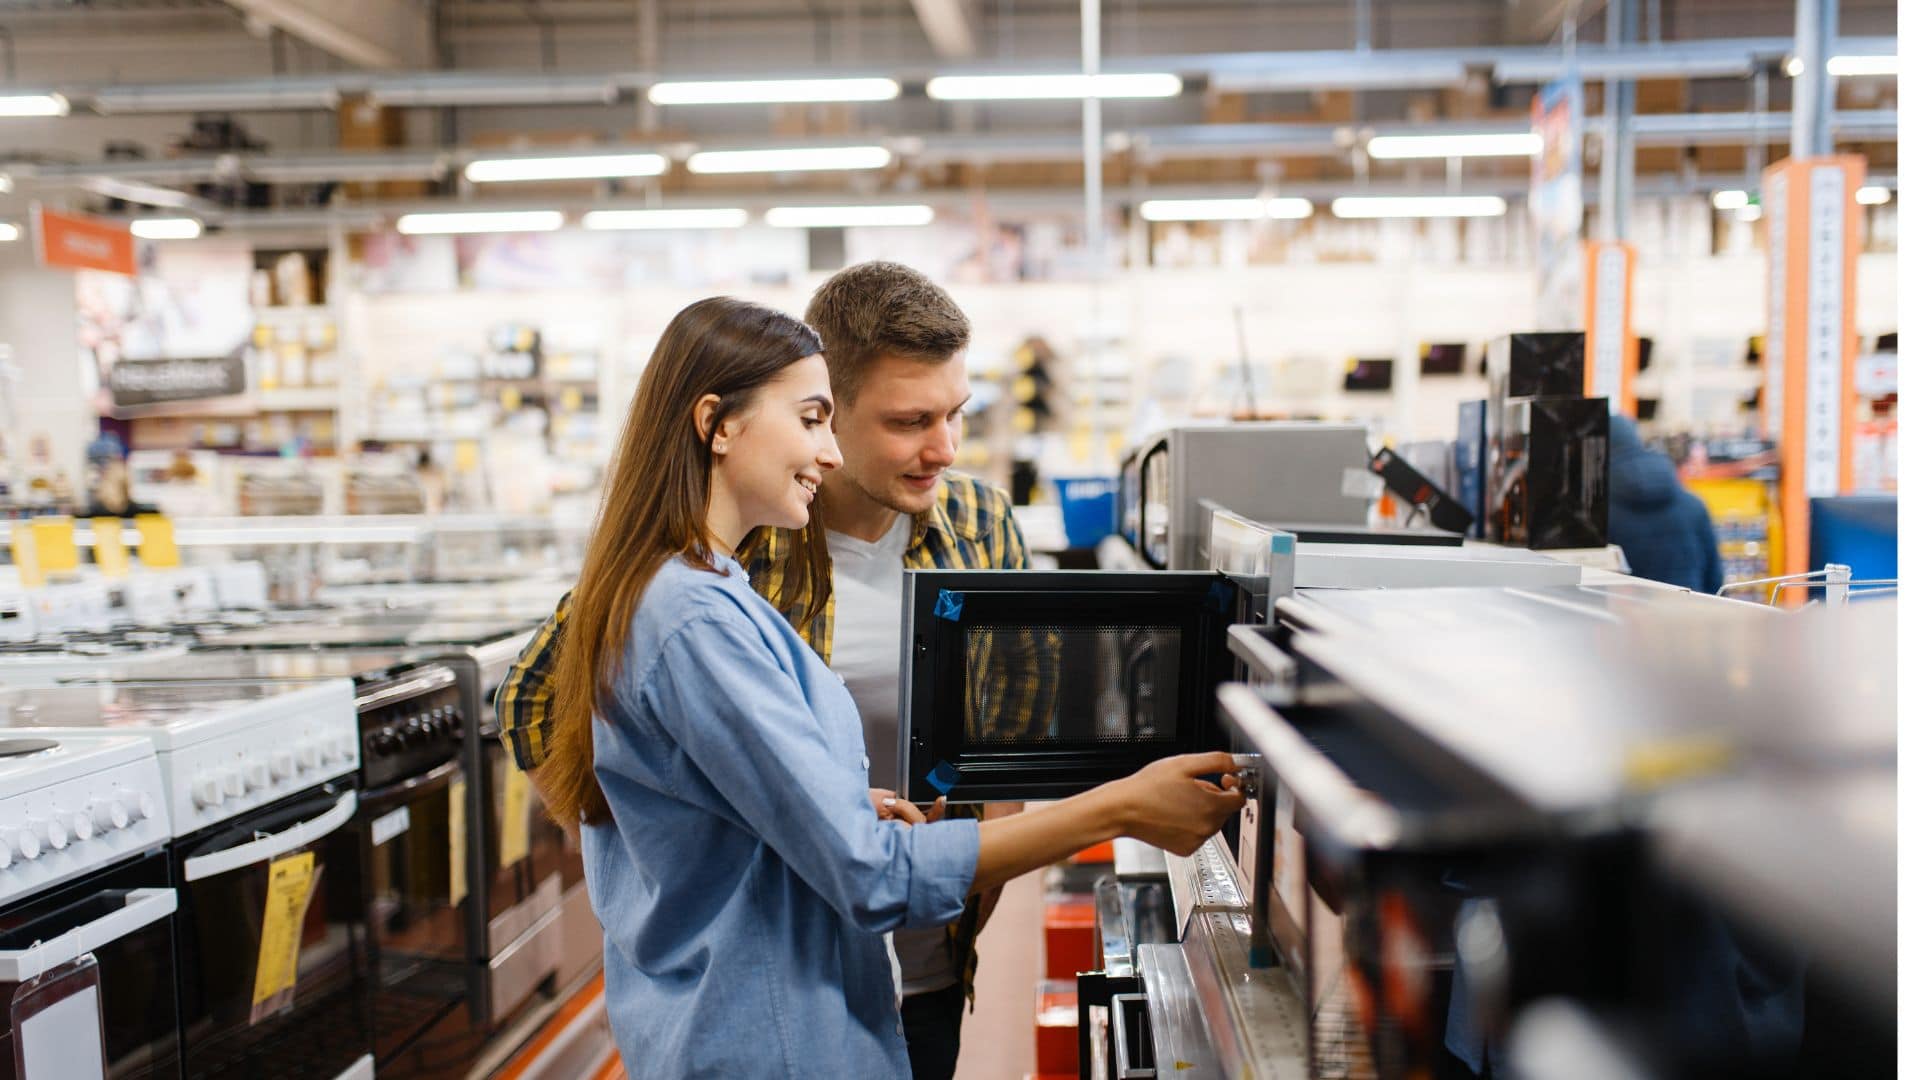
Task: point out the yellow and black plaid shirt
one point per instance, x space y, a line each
970 527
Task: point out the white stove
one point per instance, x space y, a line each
74 803
224 748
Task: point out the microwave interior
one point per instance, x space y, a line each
1039 685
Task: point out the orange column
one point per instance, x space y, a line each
1813 247
1613 349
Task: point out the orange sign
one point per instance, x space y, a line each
1613 352
78 242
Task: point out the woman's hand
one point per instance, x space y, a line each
889 807
1169 805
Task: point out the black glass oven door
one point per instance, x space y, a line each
124 918
272 941
1039 685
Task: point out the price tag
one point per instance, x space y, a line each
388 826
157 550
456 842
466 456
515 823
290 883
109 549
53 536
26 556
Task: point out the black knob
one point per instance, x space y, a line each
385 742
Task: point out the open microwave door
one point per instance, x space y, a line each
1024 685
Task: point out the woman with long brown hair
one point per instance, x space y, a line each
742 870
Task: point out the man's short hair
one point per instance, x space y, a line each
875 309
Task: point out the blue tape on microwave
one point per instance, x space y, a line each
1220 597
943 776
947 605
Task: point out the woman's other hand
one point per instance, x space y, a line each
1168 804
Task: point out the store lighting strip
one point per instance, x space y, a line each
611 220
32 105
9 232
1487 144
1873 195
577 167
1418 206
1842 67
772 91
1731 200
796 159
830 217
1225 209
495 221
180 228
1052 87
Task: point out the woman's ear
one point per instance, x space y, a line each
704 412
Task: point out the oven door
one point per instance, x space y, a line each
1030 685
123 917
1156 505
422 970
272 941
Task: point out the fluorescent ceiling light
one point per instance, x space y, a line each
827 217
721 218
1051 87
1873 195
9 232
1793 67
1490 144
797 159
139 191
481 221
1730 200
772 91
1224 209
6 184
1844 66
32 105
182 228
1418 206
575 167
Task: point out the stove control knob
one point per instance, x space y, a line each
282 764
6 854
307 754
51 832
79 824
232 782
206 791
258 775
108 815
27 843
139 804
383 742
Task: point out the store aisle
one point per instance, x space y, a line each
996 1039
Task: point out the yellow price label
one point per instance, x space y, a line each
571 399
290 888
466 456
53 536
510 398
456 842
26 556
109 548
157 550
516 822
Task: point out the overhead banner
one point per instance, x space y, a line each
1555 206
79 242
152 382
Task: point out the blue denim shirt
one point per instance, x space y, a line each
744 881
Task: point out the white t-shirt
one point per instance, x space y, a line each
867 583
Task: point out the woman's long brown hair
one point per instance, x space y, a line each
654 509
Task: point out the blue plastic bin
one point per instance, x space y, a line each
1086 507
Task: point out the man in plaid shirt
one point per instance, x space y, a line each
895 347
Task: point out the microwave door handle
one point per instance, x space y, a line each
293 836
144 907
1353 816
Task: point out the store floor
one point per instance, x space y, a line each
996 1038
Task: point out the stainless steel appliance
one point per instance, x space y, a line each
1020 685
91 918
1283 471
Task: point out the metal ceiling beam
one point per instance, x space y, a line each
375 34
949 26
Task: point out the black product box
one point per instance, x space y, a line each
1546 474
1469 464
1537 365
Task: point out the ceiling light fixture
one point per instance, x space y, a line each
772 91
1485 144
718 218
1418 206
1224 209
165 228
1873 195
9 232
1842 67
1730 200
577 167
32 105
1052 87
795 159
480 221
829 217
